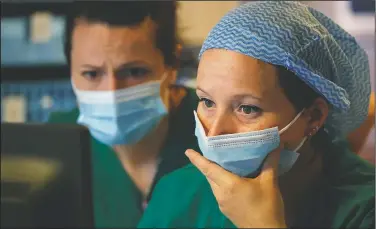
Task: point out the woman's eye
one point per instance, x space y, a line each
90 75
246 109
208 103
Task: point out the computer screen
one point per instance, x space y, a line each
45 176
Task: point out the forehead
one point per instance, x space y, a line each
233 71
90 39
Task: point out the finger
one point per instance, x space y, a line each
270 167
213 172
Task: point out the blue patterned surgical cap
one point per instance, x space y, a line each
307 43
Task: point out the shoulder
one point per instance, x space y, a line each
185 181
351 187
178 200
64 117
189 172
345 168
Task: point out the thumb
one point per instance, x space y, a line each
270 167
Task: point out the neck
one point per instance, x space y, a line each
300 181
147 150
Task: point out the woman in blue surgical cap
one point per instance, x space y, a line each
280 86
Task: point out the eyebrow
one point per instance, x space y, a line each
200 89
91 66
239 96
122 66
132 64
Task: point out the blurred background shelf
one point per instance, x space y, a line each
34 75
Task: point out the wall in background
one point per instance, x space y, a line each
196 18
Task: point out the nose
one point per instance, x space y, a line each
220 125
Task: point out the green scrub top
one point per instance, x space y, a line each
344 199
117 200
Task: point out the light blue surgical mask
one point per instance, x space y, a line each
122 116
244 153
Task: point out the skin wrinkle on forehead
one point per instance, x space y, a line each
141 34
119 44
253 70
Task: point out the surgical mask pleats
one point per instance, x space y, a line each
243 153
122 116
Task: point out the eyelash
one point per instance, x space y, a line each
91 74
205 102
254 109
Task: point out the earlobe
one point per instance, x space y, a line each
313 131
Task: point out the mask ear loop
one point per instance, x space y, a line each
292 122
300 144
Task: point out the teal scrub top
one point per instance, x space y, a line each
117 200
345 197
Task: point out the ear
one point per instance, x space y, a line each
171 76
173 72
317 114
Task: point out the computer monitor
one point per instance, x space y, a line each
46 176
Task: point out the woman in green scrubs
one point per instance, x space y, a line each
280 86
123 58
